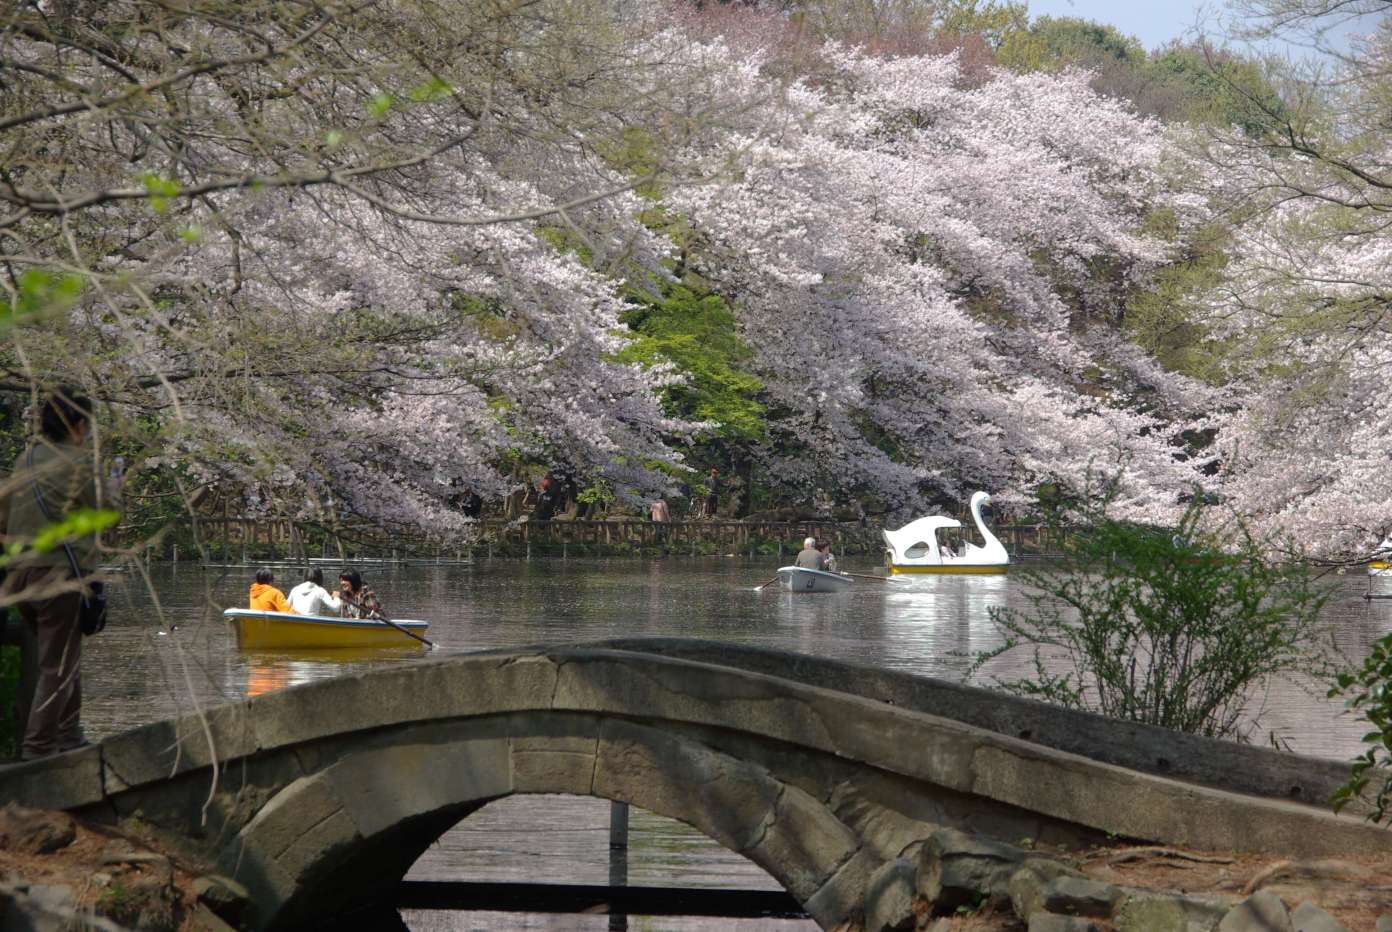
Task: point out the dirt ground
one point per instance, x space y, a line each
114 872
1355 890
102 861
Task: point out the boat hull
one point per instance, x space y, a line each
896 569
258 630
1380 568
801 579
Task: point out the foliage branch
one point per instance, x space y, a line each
1176 627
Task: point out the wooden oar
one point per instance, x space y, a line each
769 583
406 631
876 578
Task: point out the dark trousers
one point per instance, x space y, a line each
54 714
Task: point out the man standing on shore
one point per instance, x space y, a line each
56 476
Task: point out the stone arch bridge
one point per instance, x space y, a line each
319 798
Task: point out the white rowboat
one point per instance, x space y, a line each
801 579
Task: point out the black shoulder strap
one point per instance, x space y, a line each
48 515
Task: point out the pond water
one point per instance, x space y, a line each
167 646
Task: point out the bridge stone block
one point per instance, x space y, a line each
288 815
916 745
818 775
888 814
317 846
607 682
253 858
446 688
154 753
65 781
889 897
842 897
554 764
383 787
803 845
847 726
1129 802
730 801
955 868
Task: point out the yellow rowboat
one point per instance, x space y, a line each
258 630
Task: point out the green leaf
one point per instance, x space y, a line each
83 522
39 293
434 89
380 103
161 189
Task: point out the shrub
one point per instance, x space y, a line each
1168 626
1369 693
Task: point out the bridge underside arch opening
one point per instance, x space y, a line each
523 856
566 839
342 837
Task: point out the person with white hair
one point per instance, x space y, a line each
810 558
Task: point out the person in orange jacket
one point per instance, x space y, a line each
266 597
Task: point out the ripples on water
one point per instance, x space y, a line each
143 669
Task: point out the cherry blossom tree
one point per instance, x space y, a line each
358 256
308 234
1301 312
926 268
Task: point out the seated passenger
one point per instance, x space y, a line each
828 558
266 597
311 598
945 550
358 601
809 557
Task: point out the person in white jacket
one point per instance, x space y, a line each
311 598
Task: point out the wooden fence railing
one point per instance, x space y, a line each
248 539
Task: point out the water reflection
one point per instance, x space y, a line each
268 671
945 613
921 624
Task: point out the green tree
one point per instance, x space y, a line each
695 331
1055 42
1193 81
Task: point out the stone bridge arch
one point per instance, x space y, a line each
321 796
361 822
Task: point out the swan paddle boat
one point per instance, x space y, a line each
1381 563
801 579
258 630
916 548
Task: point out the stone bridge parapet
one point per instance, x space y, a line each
320 797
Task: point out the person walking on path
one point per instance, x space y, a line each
57 474
661 517
712 493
